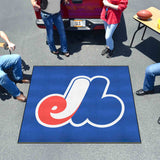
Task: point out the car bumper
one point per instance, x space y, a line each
90 24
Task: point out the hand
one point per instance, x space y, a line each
106 3
11 46
36 6
66 1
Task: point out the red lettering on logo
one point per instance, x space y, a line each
52 104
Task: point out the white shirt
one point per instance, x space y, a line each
53 6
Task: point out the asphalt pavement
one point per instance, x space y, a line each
17 19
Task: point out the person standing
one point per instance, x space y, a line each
12 62
111 15
50 13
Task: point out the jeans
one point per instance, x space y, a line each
10 62
109 29
151 72
48 20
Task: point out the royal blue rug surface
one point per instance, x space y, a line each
80 104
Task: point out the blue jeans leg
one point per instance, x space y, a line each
49 19
48 22
9 85
60 27
13 62
151 72
109 30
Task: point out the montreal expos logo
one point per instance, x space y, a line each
57 110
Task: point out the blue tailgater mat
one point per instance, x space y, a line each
80 104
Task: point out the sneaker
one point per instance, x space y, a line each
110 53
105 51
158 120
141 92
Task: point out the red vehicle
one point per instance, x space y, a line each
78 15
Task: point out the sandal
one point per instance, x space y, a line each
55 52
66 54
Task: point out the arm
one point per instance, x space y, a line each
107 4
11 45
121 6
66 1
35 5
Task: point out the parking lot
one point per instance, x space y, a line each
17 20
